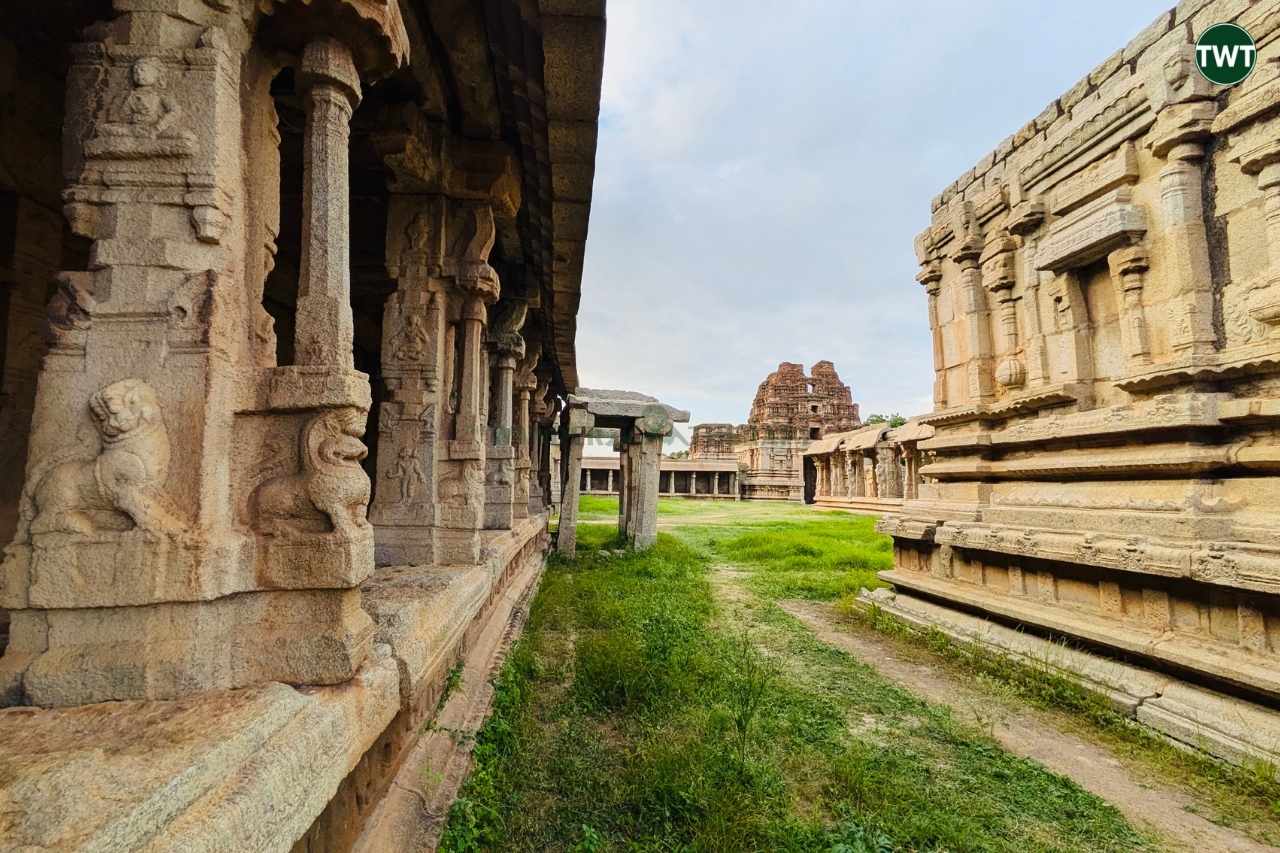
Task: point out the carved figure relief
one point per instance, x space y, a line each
464 489
330 487
501 473
119 488
412 342
141 122
407 472
70 310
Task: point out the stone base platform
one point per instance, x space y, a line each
268 768
863 506
1227 727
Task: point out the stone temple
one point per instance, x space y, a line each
790 409
289 306
1104 302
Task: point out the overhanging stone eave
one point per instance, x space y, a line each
573 68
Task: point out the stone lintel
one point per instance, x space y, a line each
1110 221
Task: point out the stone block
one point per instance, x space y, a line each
163 651
1229 728
1149 36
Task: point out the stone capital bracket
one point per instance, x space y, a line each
1252 122
1128 261
580 421
425 156
1025 217
930 275
328 62
654 421
999 267
373 29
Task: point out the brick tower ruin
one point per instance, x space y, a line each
789 410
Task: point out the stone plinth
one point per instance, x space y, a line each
179 775
1103 463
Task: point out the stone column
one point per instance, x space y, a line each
405 510
572 436
539 451
930 276
500 476
462 485
1182 127
331 89
998 277
1024 221
1253 129
168 576
649 432
850 487
608 482
973 307
1127 267
521 437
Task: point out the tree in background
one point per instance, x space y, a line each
894 420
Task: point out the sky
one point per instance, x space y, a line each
764 167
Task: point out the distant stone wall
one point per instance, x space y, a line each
713 441
1104 301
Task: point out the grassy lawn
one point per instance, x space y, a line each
643 711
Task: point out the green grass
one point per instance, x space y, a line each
826 557
593 508
637 714
1247 797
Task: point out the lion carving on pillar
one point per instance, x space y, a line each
331 484
118 489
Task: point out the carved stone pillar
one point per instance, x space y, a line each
973 307
474 287
1072 348
998 277
196 515
1127 268
1024 220
930 276
647 436
1253 127
540 419
405 508
526 382
500 476
1182 126
572 435
331 91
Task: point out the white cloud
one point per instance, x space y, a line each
763 170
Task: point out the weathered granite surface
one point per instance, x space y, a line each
1102 296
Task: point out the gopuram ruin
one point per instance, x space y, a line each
289 305
1104 300
789 411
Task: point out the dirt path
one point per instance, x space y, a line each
1025 732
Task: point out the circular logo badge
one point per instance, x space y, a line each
1225 54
